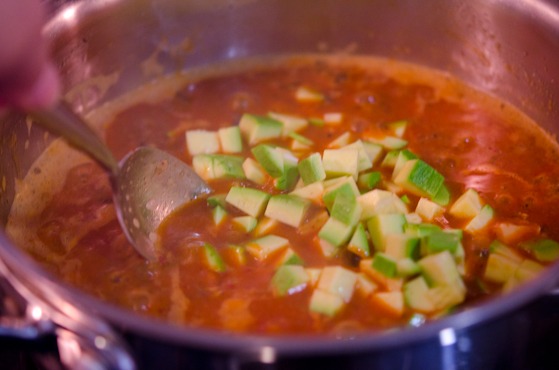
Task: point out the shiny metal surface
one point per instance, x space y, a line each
508 48
84 341
150 185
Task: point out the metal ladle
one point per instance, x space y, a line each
148 184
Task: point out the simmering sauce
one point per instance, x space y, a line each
470 140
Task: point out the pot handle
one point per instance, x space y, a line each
84 342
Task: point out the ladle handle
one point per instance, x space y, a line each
62 120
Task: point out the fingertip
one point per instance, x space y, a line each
44 92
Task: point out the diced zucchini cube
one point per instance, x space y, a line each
364 285
368 181
325 303
500 269
439 241
385 264
440 269
289 279
312 192
259 128
331 184
442 198
288 179
316 121
230 139
213 258
291 258
528 270
510 233
340 141
307 94
290 123
390 302
420 230
363 162
218 166
346 209
413 218
428 210
314 275
398 127
392 143
328 249
481 221
458 232
496 247
251 201
416 295
359 243
341 162
344 185
216 200
265 226
460 259
245 223
228 166
335 232
288 209
333 118
298 145
390 284
219 214
400 246
377 202
545 250
446 296
419 178
254 171
374 151
392 187
271 159
262 247
380 226
303 142
403 156
202 142
311 169
407 267
468 205
511 284
390 159
337 280
289 158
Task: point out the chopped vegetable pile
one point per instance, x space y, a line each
372 198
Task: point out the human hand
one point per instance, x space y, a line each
28 80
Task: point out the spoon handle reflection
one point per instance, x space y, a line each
62 120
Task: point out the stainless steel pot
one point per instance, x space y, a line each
509 48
